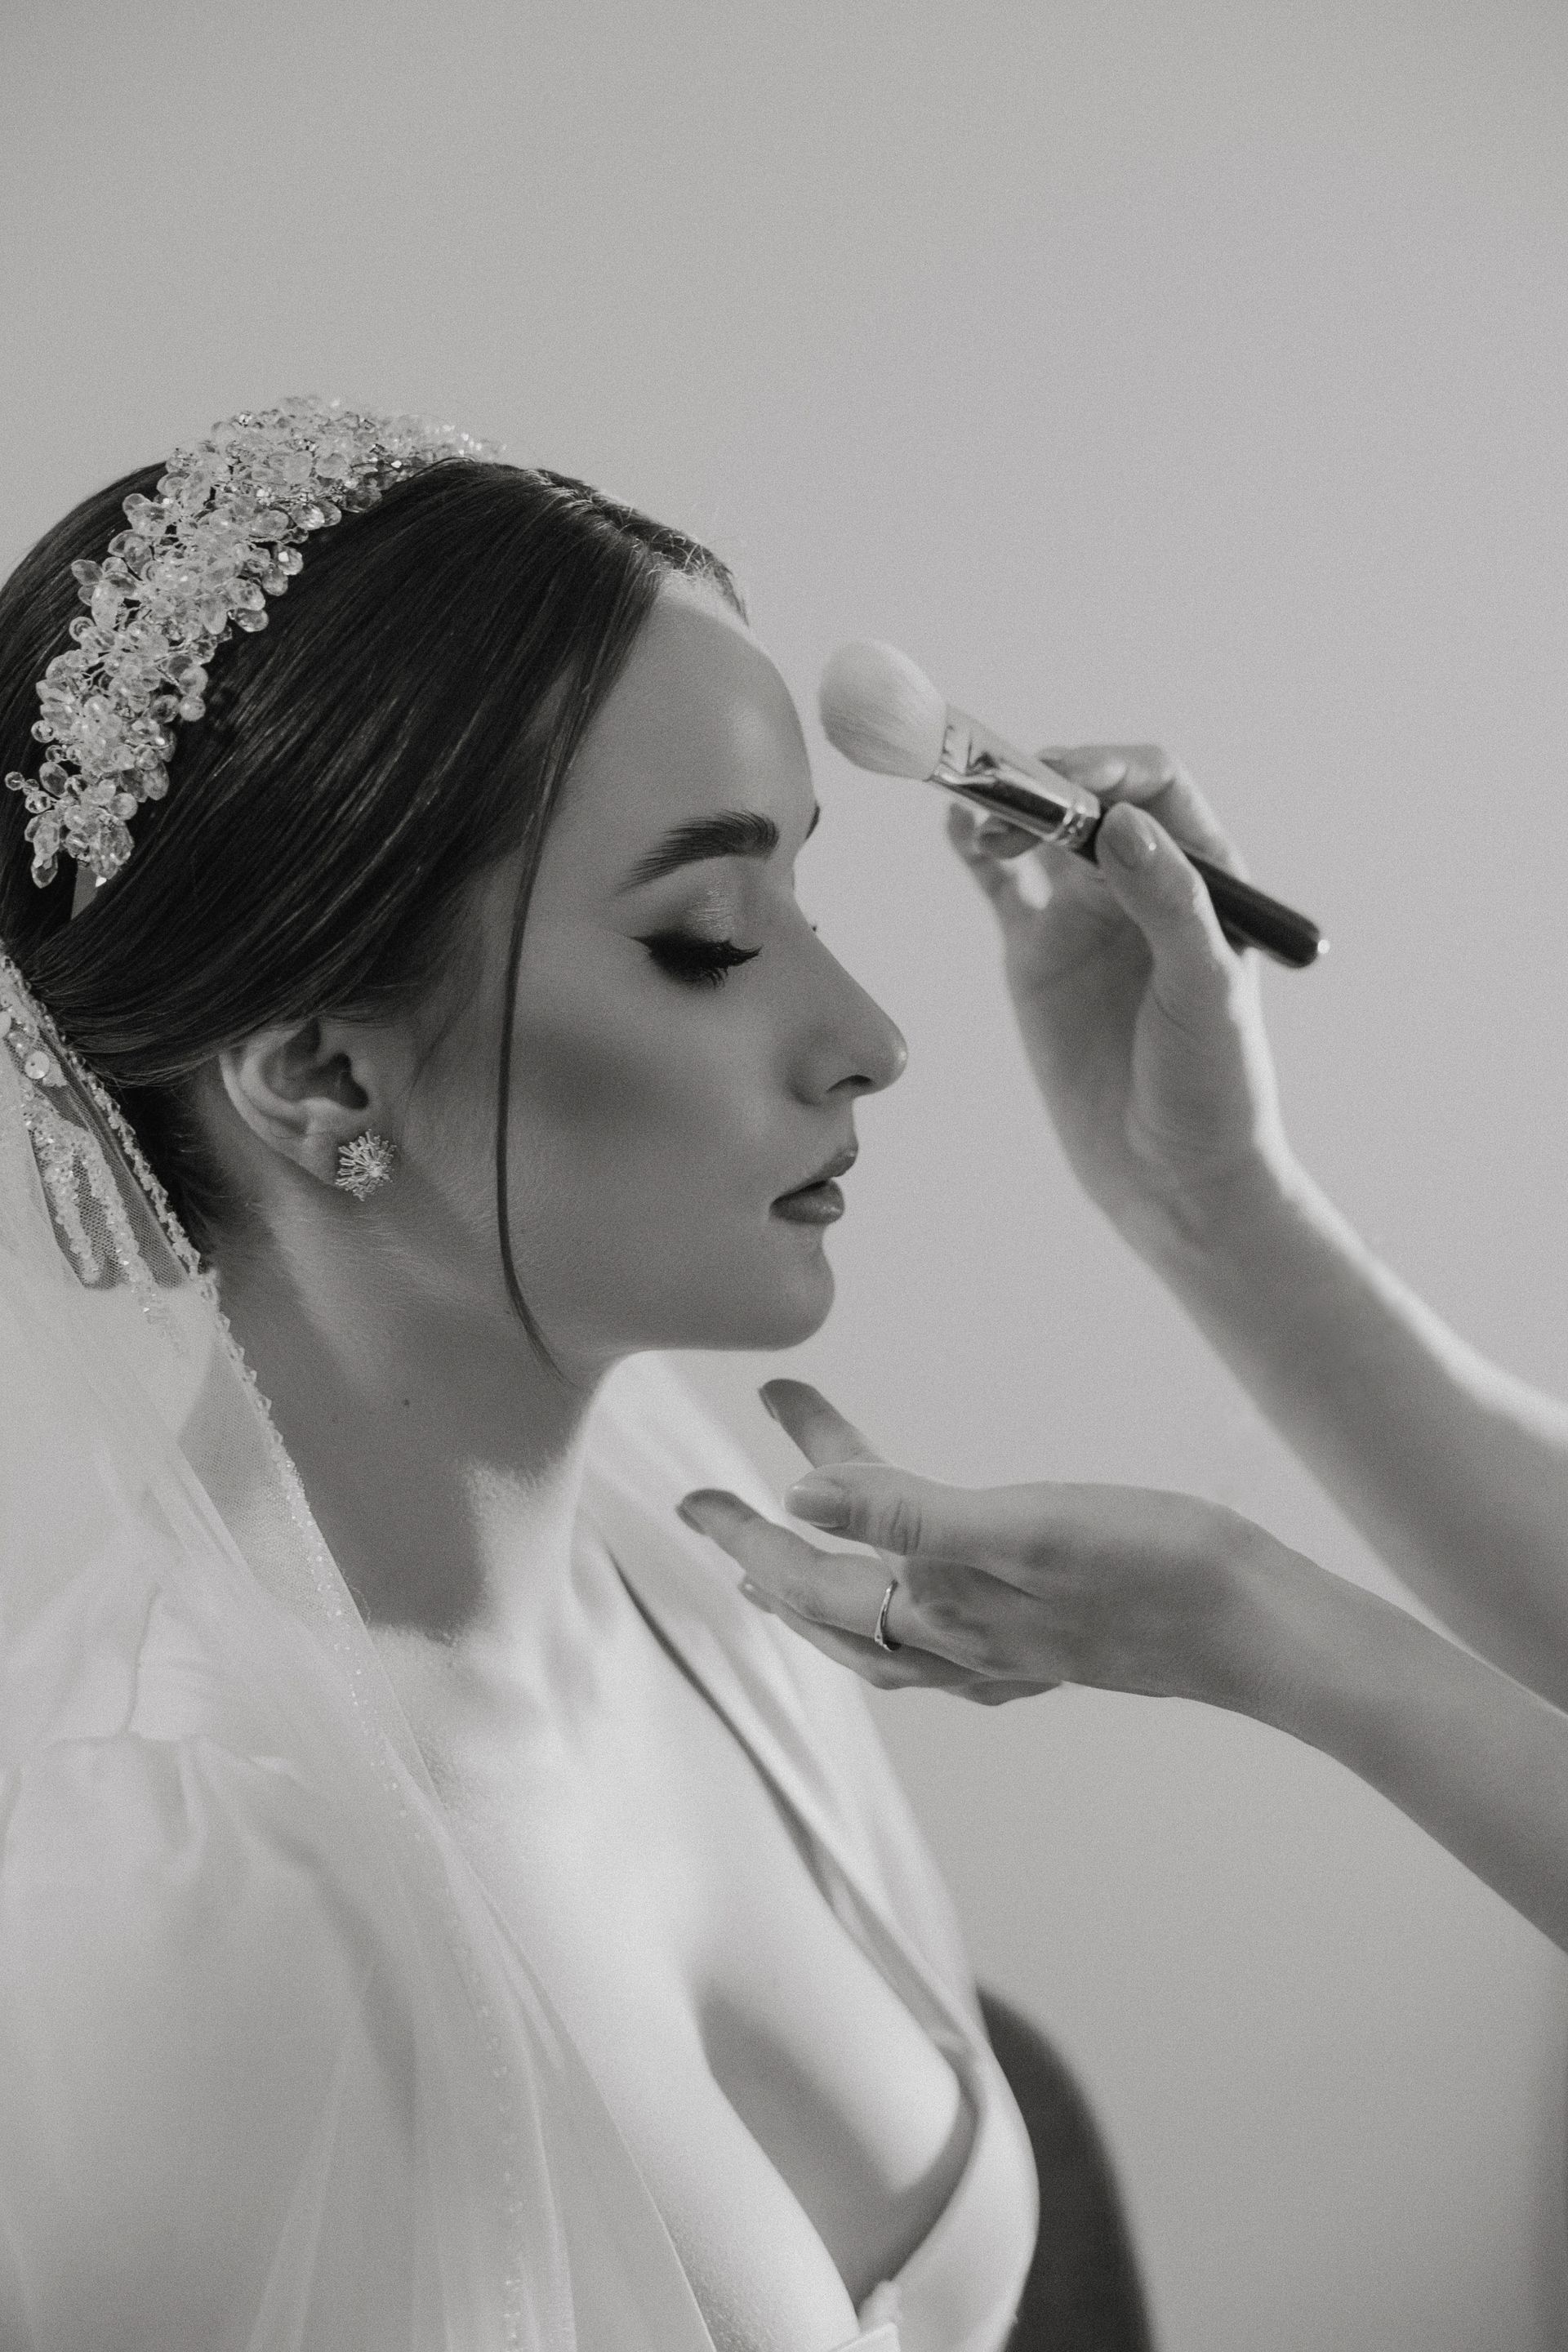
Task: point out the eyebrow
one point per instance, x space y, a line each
734 832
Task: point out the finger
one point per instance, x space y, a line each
1017 912
995 837
842 1592
1165 896
984 841
905 1668
818 1428
1147 775
909 1667
840 1588
875 1503
963 830
986 1694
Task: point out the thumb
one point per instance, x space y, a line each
1164 895
891 1510
818 1428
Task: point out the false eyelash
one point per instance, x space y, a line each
701 963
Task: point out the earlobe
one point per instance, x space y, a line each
366 1164
298 1094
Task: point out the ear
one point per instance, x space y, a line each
305 1088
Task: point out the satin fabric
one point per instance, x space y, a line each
806 1724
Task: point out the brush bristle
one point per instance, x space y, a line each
882 711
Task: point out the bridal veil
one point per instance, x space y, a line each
274 2076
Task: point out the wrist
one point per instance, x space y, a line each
1311 1651
1228 1233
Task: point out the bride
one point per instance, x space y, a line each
436 1910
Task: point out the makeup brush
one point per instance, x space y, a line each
886 715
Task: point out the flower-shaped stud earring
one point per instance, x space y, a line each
365 1165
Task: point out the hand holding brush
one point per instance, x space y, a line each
1144 1029
884 714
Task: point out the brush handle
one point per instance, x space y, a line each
1038 799
1251 918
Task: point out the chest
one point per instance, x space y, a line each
798 2128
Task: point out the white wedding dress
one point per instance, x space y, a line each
274 2074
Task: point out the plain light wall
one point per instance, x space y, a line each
1188 369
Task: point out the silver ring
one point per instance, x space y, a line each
880 1632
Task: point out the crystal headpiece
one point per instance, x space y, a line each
199 560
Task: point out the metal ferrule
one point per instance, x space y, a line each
982 768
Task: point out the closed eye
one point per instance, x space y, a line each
701 963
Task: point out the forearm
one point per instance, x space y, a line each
1456 1473
1480 1761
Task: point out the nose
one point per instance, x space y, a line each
852 1048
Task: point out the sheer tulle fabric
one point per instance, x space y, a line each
274 2076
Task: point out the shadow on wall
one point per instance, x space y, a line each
1083 2291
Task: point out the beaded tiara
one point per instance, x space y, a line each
198 562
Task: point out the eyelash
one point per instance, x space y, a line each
700 962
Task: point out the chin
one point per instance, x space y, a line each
783 1315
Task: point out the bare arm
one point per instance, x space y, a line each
1476 1760
1144 1033
1455 1472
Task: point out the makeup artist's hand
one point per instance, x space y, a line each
1143 1027
1006 1591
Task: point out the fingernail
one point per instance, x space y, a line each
1131 840
691 1509
818 1500
767 1404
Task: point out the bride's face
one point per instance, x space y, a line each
687 1052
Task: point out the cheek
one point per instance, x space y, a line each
643 1153
634 1099
645 1166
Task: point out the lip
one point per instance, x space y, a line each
839 1165
810 1204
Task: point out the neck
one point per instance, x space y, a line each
441 1457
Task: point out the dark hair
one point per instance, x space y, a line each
405 720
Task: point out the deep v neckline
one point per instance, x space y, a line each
831 1866
805 1727
986 2156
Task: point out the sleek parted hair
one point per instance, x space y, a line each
404 721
